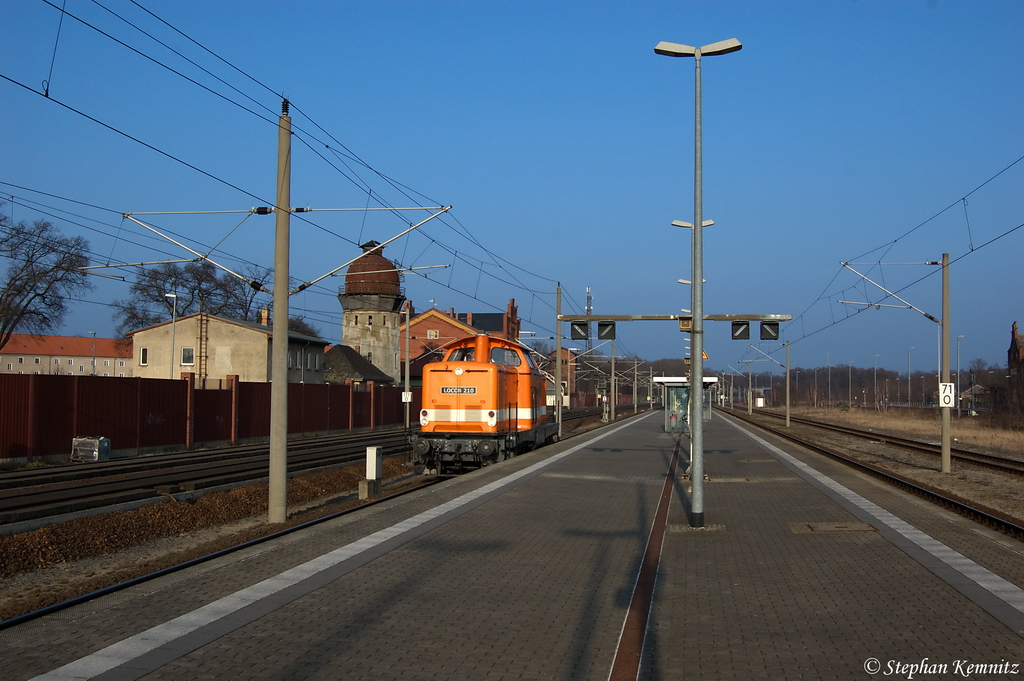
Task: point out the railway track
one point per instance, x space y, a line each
38 493
965 507
42 493
999 463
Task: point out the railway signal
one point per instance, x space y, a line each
606 330
579 330
740 330
769 331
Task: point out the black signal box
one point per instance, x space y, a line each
579 330
606 330
740 330
769 331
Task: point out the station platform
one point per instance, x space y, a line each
534 569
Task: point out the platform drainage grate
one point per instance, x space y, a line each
820 528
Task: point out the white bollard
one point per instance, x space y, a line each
374 472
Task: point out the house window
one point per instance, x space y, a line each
120 375
81 368
369 320
120 363
106 362
56 360
105 373
21 360
10 367
433 333
37 362
188 356
143 356
369 357
356 320
70 362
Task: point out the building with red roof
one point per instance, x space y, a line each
70 355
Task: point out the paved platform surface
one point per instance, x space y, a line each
526 570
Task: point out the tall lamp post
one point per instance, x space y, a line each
697 290
174 318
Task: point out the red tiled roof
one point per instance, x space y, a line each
67 346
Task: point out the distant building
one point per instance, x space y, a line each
431 332
343 364
69 355
214 348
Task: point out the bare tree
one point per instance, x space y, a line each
43 271
303 326
199 287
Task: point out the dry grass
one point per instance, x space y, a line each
971 433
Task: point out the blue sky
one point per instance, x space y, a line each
843 131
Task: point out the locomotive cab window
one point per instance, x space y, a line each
461 355
505 356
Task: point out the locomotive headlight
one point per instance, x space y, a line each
424 417
492 418
458 371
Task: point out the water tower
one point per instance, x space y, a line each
371 300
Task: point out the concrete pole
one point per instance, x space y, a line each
558 358
697 309
946 455
278 476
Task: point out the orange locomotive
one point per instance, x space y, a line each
485 402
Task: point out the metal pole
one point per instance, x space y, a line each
750 390
787 384
278 475
635 386
946 455
558 358
614 396
697 307
908 375
958 414
408 359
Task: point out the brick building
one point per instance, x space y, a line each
69 355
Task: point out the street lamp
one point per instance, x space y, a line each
697 291
174 315
93 372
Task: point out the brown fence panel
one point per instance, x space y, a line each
253 410
161 412
307 408
14 415
105 407
339 399
361 409
52 416
213 416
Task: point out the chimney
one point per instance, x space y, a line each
264 317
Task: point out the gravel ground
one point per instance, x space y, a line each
983 488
